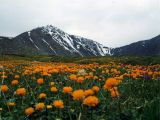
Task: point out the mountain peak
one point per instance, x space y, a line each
50 27
52 30
51 40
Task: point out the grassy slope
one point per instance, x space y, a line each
143 60
140 98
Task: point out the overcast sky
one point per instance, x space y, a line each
111 22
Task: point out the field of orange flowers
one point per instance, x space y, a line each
67 91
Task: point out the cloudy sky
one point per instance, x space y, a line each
111 22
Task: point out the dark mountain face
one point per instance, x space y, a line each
141 48
50 40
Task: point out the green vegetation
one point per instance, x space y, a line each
133 60
108 90
96 92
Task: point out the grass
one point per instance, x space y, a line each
133 60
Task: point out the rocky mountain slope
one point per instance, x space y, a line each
49 40
140 48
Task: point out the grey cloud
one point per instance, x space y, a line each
110 22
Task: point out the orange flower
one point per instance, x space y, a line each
113 89
14 82
11 104
4 88
95 88
150 73
114 93
73 77
16 76
40 106
58 104
80 79
42 95
40 81
21 91
46 74
4 76
88 92
110 83
78 94
91 101
29 111
67 89
54 89
52 83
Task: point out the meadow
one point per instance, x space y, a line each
57 88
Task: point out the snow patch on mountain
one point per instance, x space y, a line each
29 34
49 45
72 43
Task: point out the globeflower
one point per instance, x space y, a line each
67 89
58 104
40 106
110 83
16 76
4 88
54 89
29 111
91 101
88 92
95 88
4 76
73 77
80 79
114 93
21 91
40 81
42 95
14 82
78 94
52 83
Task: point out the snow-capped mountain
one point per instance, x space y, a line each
49 40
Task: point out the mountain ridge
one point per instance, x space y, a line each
140 48
50 40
